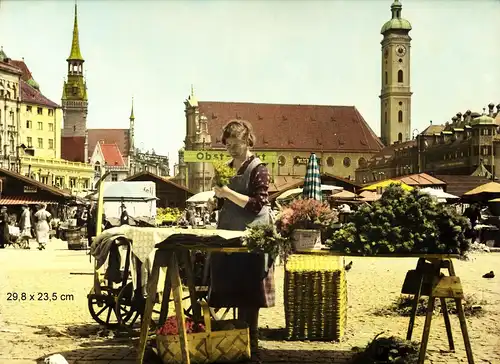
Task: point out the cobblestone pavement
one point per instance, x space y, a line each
30 330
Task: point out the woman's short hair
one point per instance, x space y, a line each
239 129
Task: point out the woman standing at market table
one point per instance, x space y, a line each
42 227
243 280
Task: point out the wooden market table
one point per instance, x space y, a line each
425 280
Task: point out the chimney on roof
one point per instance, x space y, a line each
431 122
490 109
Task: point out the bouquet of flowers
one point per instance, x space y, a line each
264 238
223 173
305 214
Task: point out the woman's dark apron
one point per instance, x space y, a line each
241 279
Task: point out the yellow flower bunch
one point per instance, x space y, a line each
223 173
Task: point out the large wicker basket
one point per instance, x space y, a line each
226 346
315 297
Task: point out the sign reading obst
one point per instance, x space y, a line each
210 156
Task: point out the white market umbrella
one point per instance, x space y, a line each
438 193
201 197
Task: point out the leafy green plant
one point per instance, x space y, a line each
263 238
403 222
387 350
223 173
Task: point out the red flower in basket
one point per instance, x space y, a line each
170 327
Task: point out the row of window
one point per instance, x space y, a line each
39 110
29 125
29 142
330 161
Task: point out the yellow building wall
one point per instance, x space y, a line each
40 128
75 176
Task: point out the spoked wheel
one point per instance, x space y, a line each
102 307
130 308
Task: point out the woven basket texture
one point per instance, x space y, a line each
315 295
226 346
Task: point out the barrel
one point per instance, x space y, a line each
74 238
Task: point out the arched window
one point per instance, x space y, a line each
386 78
385 117
400 137
330 161
400 116
362 162
400 76
281 160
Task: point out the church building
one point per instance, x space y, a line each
79 142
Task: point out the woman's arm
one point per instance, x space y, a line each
258 191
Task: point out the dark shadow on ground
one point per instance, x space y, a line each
127 355
100 345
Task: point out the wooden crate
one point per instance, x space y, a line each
227 346
315 297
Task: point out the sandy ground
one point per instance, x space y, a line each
33 329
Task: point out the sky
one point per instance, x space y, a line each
288 51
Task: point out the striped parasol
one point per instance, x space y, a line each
312 182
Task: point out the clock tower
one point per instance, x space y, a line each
395 95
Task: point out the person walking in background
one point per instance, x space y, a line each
91 223
4 227
25 227
42 227
32 215
124 216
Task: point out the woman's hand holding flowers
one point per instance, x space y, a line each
222 192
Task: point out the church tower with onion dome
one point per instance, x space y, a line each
395 95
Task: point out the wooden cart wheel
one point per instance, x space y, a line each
128 310
102 307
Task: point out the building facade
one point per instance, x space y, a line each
468 145
37 140
338 135
10 116
395 95
108 158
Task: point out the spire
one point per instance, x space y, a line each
396 9
75 55
132 117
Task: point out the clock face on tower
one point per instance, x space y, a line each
400 50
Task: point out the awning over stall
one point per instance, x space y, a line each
21 200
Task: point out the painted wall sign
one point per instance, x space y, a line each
304 160
209 156
30 189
